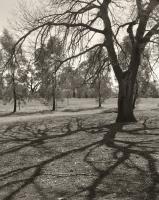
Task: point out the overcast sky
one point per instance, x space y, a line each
7 8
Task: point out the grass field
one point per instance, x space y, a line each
81 157
73 105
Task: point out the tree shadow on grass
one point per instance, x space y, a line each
73 159
123 151
20 113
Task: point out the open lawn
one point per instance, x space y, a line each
73 104
81 157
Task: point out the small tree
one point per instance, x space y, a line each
71 80
97 73
1 77
152 90
47 58
30 77
12 65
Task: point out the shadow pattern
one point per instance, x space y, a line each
79 158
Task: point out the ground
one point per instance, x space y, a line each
81 156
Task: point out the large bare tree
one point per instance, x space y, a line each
86 24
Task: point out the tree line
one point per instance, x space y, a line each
39 78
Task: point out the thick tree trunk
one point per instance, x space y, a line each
126 99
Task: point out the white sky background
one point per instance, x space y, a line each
7 9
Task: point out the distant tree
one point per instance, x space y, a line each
42 70
21 94
97 73
71 80
1 76
47 58
31 78
54 55
152 90
7 41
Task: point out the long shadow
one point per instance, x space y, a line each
24 113
122 153
49 111
73 139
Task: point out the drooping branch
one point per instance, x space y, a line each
79 54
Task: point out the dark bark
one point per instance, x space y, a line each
126 99
53 103
54 93
14 98
99 102
74 93
32 88
135 94
99 94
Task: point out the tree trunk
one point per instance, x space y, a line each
135 94
53 103
14 98
19 103
14 95
54 93
126 99
74 92
99 94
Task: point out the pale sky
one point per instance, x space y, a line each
7 9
